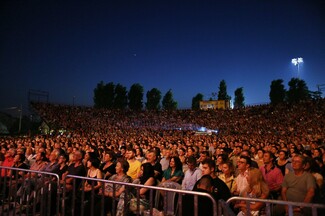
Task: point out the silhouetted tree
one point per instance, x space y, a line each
168 102
222 94
153 99
104 95
277 92
239 98
121 99
135 97
298 91
196 101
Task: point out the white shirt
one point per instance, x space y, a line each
191 177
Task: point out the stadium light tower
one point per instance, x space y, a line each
297 62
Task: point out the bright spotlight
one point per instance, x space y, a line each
297 62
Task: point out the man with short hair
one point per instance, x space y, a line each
135 165
221 190
164 161
271 174
298 186
243 164
152 159
192 175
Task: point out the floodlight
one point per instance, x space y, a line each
300 60
297 62
294 61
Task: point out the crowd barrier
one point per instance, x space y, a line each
269 204
27 192
172 198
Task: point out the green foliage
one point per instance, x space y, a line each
298 91
222 94
277 92
239 98
168 102
135 97
196 101
153 99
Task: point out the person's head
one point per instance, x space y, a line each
206 184
208 166
298 162
175 162
256 181
54 155
283 155
122 166
190 151
221 158
93 162
228 168
19 158
191 162
40 156
109 156
63 158
151 157
77 156
204 155
243 163
130 153
260 153
268 158
147 171
139 152
317 152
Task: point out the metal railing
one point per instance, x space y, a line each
268 211
77 197
24 191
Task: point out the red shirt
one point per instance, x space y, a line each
8 162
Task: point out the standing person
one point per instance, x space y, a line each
134 164
227 176
192 175
221 191
272 175
298 186
108 166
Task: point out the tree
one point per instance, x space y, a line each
135 97
222 94
298 91
239 98
168 102
121 99
277 92
104 95
153 99
196 101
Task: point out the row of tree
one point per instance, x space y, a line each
113 96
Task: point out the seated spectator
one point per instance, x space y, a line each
243 165
134 164
257 188
192 175
174 172
282 161
146 177
122 167
153 160
205 206
227 176
221 191
272 175
298 186
108 166
93 172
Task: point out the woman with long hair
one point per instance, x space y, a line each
174 172
282 161
227 176
108 167
257 188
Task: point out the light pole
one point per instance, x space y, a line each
297 62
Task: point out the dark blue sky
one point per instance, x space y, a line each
67 47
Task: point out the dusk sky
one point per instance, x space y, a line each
67 47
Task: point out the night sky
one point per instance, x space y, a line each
67 47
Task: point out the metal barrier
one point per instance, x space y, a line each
28 192
314 207
76 198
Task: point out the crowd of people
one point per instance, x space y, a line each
261 151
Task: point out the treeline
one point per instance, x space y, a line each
116 96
